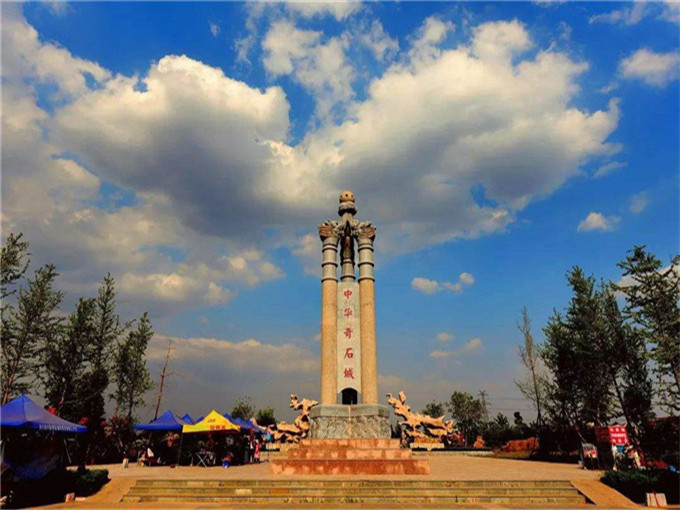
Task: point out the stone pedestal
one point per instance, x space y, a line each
361 421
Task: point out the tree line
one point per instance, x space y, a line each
613 353
79 361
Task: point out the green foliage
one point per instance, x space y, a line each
634 484
13 264
468 414
597 361
25 331
244 409
89 481
653 305
131 375
265 417
434 409
64 360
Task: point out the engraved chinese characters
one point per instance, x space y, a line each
348 360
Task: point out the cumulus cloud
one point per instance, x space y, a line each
597 221
378 41
627 16
427 286
656 69
638 202
319 66
471 347
192 149
609 168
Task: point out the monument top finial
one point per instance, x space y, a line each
347 204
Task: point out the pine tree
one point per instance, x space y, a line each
25 332
653 305
131 374
64 363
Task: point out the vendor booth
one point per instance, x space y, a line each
214 422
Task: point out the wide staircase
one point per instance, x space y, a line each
349 457
385 493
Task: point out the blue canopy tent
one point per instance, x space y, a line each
22 412
188 419
166 421
244 424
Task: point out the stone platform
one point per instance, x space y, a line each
331 421
350 457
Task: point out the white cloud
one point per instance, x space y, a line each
192 148
471 347
638 202
320 67
656 69
428 286
378 41
339 9
627 16
444 336
597 221
308 250
214 28
609 168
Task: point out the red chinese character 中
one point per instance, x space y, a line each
348 294
349 353
348 332
349 373
347 312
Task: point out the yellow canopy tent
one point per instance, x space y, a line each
213 422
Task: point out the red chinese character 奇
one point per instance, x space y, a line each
348 312
347 293
349 353
349 373
348 332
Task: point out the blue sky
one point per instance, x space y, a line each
191 149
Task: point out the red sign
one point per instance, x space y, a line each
616 435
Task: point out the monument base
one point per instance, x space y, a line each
359 421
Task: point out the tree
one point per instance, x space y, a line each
576 353
131 374
467 413
243 408
623 353
13 264
64 363
265 417
34 324
533 386
100 353
164 374
653 305
434 409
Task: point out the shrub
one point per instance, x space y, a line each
89 481
635 484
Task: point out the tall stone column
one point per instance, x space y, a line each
369 355
329 320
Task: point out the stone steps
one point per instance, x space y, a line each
370 444
349 453
358 483
377 492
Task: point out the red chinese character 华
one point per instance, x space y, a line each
349 373
347 293
348 332
348 312
349 353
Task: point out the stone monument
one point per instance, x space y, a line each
349 432
349 367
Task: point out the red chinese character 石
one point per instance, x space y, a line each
348 312
349 373
348 332
349 353
347 293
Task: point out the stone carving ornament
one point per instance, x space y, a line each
284 432
417 426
